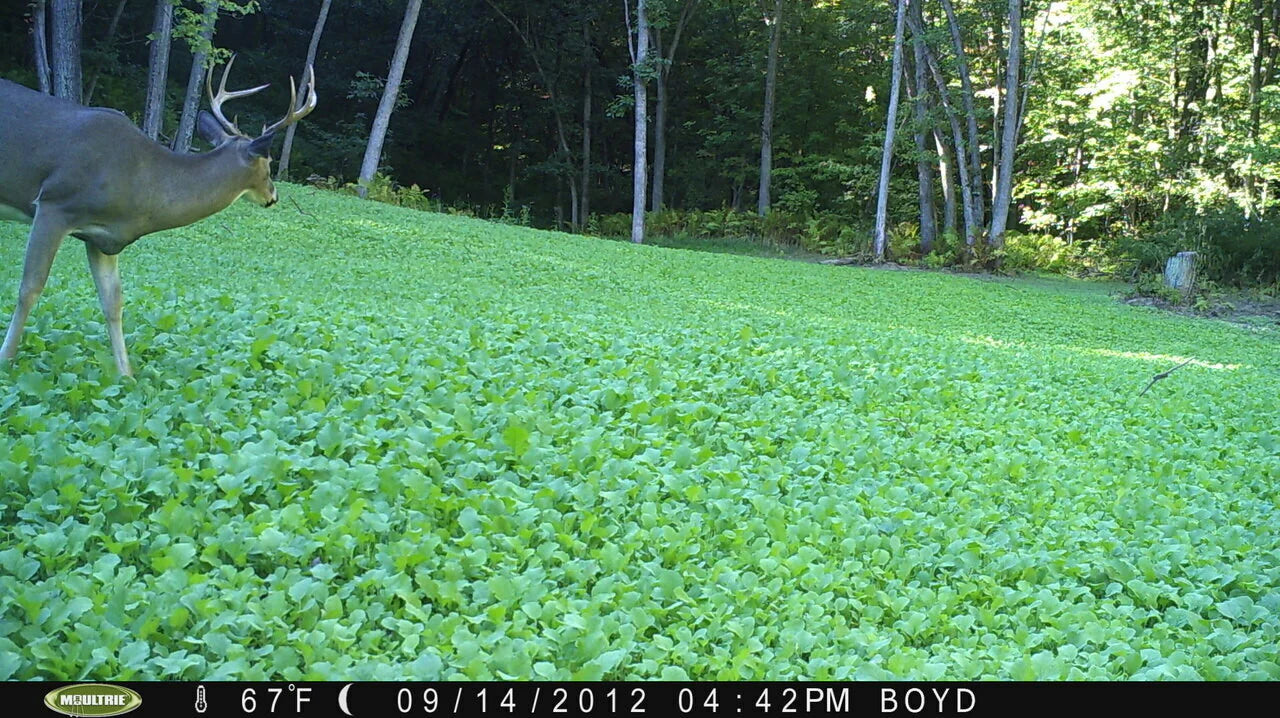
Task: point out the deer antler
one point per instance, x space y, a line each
215 103
297 110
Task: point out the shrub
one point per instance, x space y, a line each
1233 249
833 236
384 189
948 249
904 241
1035 252
1151 284
609 225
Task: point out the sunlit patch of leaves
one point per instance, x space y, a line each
380 444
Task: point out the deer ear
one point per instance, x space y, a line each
210 129
261 147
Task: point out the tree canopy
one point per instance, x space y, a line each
1140 127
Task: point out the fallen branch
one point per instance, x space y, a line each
1162 375
300 209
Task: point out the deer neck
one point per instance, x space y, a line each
179 189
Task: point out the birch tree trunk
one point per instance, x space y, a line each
996 41
378 132
585 196
158 69
766 124
891 125
949 223
283 172
924 167
1004 190
639 70
195 81
40 37
65 49
971 125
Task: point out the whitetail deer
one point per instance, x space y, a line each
90 173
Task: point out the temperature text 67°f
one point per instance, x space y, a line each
269 700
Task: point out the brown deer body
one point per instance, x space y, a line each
90 173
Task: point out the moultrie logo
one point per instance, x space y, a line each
92 699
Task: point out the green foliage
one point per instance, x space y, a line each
904 241
1231 247
383 189
1151 284
368 443
824 234
948 249
609 225
1036 252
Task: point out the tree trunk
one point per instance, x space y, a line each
1180 272
659 140
65 49
924 167
1004 191
513 150
1002 60
971 126
195 81
948 187
107 42
158 69
378 132
283 172
968 200
660 111
1255 106
585 196
549 84
1196 88
40 37
891 126
639 68
766 124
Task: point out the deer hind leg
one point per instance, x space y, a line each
106 275
47 232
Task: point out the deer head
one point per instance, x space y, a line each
254 152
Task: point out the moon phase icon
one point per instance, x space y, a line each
342 699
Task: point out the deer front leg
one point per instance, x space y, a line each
106 275
47 233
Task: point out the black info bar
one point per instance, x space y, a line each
626 698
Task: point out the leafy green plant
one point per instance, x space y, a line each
1035 252
383 189
369 443
904 241
1152 284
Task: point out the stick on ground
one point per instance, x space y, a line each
1162 375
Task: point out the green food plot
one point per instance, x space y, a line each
369 443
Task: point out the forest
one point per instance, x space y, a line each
1081 136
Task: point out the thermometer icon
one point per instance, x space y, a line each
201 705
